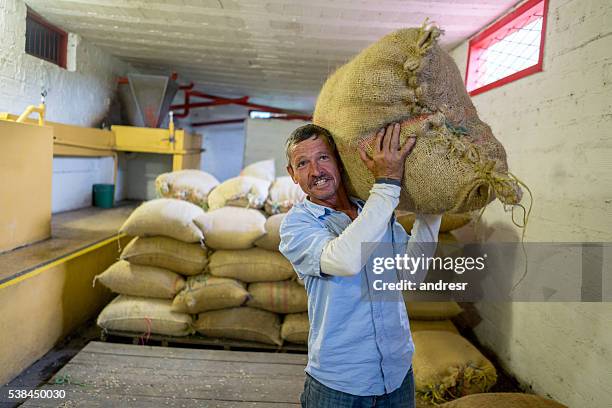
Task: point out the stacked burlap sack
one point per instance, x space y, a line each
242 231
218 273
153 268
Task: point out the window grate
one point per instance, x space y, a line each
45 41
510 49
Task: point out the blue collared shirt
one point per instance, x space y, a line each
356 345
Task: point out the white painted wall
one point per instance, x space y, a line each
79 95
265 139
224 150
557 129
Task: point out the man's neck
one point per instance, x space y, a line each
339 202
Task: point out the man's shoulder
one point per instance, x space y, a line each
297 214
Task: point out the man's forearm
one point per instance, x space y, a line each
342 255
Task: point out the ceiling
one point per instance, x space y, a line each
279 52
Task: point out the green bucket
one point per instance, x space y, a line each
104 195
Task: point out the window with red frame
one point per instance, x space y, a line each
510 49
44 40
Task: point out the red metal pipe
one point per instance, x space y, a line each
217 122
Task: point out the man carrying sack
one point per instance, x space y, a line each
359 351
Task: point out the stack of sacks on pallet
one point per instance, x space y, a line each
251 286
152 269
446 365
188 185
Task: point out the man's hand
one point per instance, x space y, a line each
388 158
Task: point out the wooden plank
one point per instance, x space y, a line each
187 353
79 399
170 365
235 386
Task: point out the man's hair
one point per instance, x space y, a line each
307 132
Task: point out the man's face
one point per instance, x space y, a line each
315 168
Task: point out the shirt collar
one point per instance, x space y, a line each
320 211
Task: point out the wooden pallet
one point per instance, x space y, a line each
201 341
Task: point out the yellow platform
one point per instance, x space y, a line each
46 288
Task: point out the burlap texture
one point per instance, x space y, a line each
431 310
167 217
284 193
279 297
231 227
241 323
250 265
446 366
189 185
168 253
502 400
241 191
441 325
407 77
144 315
271 239
449 221
205 292
139 280
295 328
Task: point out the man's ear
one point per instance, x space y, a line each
290 171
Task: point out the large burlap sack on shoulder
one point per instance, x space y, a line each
241 191
168 253
139 280
264 170
189 185
295 328
271 239
502 400
407 77
279 297
446 366
449 221
284 193
167 217
144 315
231 227
205 292
250 265
430 310
441 325
241 323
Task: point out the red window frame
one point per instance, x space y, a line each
63 39
504 27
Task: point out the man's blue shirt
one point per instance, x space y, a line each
358 343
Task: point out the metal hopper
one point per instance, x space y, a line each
147 98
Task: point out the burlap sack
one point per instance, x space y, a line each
231 227
167 217
407 77
144 315
271 239
423 325
502 400
205 292
446 366
431 310
241 191
241 323
138 280
449 221
189 185
279 297
264 170
168 253
295 328
250 265
283 194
